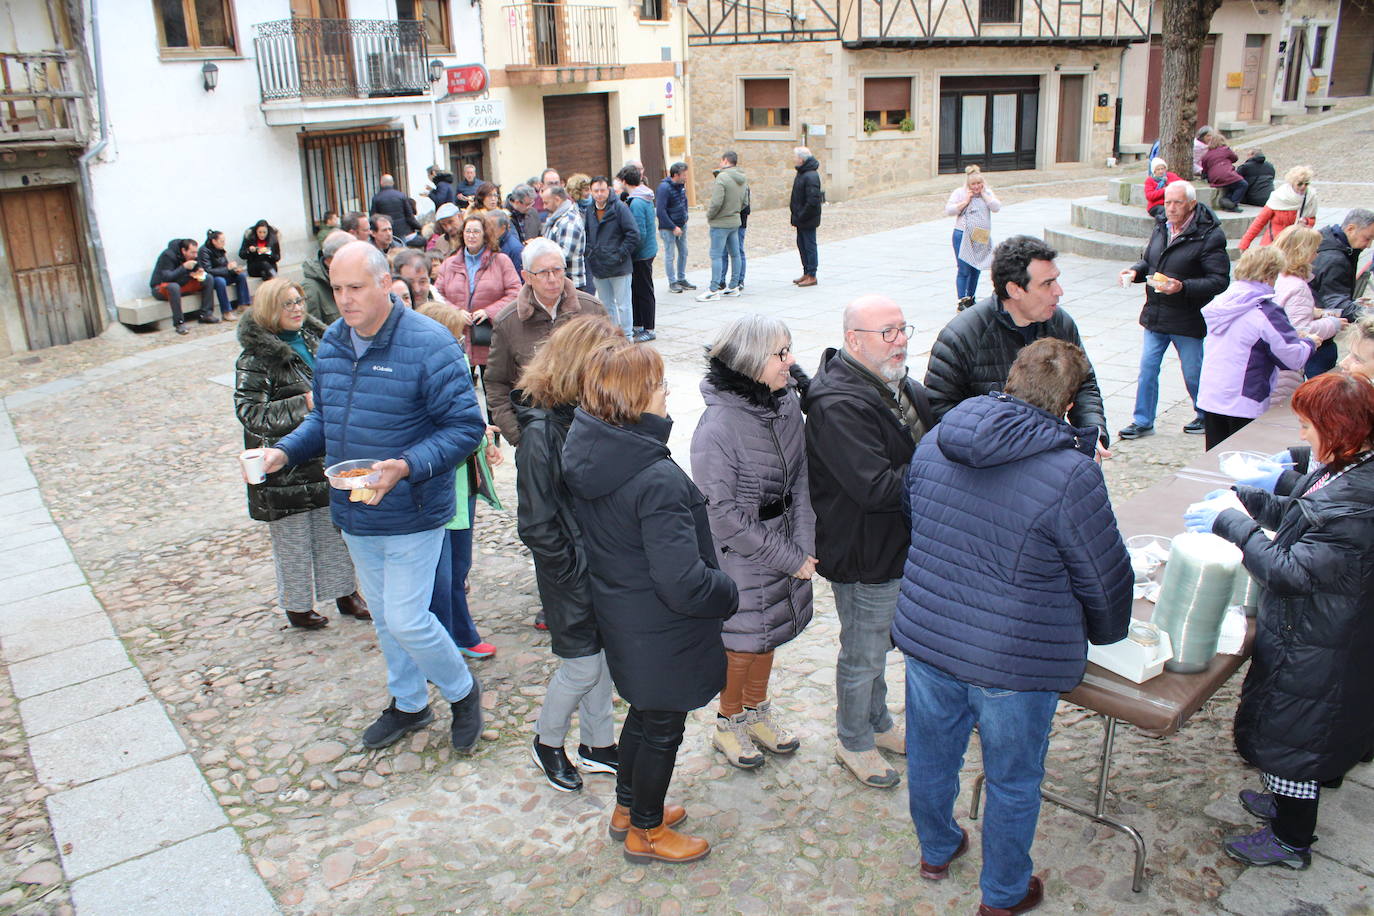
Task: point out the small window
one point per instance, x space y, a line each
434 15
887 101
195 25
652 9
995 11
766 104
1319 48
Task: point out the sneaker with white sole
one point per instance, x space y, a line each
709 296
732 291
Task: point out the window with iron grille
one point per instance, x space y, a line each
195 26
344 170
995 11
767 104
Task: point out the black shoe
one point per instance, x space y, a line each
393 725
562 775
1195 428
467 720
675 287
965 302
599 759
1135 431
685 285
182 329
307 620
208 317
1333 783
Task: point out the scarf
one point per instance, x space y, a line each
1286 197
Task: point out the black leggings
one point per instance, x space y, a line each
642 301
648 750
1217 428
1295 820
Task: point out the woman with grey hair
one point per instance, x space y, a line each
749 459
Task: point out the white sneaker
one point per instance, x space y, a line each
709 296
731 291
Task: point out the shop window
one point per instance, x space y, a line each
192 26
887 101
434 15
999 11
767 105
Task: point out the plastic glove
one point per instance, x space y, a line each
1283 459
1217 494
1265 476
1199 517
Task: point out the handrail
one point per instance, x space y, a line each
341 58
546 34
38 100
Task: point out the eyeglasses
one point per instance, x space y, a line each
889 334
552 273
664 384
294 305
783 353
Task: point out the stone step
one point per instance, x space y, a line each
1092 243
1131 190
1136 222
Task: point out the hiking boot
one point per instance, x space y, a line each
539 622
1260 804
939 872
663 844
893 740
732 740
1035 893
869 767
766 732
964 302
1263 848
394 724
467 720
1135 431
620 820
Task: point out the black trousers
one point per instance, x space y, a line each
1217 427
806 247
648 750
642 301
1295 819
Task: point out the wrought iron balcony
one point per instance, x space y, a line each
39 104
341 59
580 41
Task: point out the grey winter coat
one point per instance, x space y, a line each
748 452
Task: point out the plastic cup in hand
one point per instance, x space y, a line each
254 463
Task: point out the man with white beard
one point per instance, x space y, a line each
864 418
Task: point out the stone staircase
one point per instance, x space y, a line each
1115 227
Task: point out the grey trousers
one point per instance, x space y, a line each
865 613
311 560
581 684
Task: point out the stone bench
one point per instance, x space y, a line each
149 310
1131 191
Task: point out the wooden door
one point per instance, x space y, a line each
45 249
1253 65
1206 77
1352 61
577 133
324 52
1296 64
991 122
1070 139
651 149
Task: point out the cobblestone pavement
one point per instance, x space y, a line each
137 468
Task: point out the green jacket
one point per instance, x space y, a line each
729 195
319 296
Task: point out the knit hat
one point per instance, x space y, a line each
445 211
1154 164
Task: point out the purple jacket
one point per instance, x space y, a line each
1249 339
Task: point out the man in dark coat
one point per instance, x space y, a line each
1015 563
975 351
670 202
176 272
319 295
1333 270
1259 175
865 416
1185 264
443 187
612 239
390 202
806 211
523 215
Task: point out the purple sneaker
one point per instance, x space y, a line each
1260 804
1263 848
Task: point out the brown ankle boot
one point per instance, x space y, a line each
663 844
620 820
353 606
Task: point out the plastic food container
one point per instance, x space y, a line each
1244 464
352 475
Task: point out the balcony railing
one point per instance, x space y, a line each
39 101
341 59
545 34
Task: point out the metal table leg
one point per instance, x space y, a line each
1098 812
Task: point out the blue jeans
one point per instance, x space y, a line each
396 574
966 276
1014 732
449 603
725 249
1189 350
614 293
674 251
222 291
743 257
806 247
1235 193
865 612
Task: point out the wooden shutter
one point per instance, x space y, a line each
766 94
887 93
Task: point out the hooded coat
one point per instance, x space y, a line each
1295 296
1304 706
443 190
805 205
1198 258
671 204
660 597
1260 173
1333 274
729 195
749 452
270 383
319 295
640 200
169 266
1249 339
260 264
1219 166
1015 560
548 527
612 239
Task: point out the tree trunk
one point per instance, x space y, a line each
1183 30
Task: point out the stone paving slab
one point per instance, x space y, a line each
32 584
36 557
20 502
206 876
29 534
52 607
38 640
68 666
1328 887
104 745
124 816
69 705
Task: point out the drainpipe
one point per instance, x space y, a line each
84 168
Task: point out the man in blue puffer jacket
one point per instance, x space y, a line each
392 386
1015 565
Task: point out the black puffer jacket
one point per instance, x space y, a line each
170 266
1305 705
806 195
1197 257
857 455
258 263
214 261
612 240
549 529
270 384
1260 173
443 190
659 596
974 353
1333 274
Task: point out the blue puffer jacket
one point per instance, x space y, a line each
1015 560
671 204
408 397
